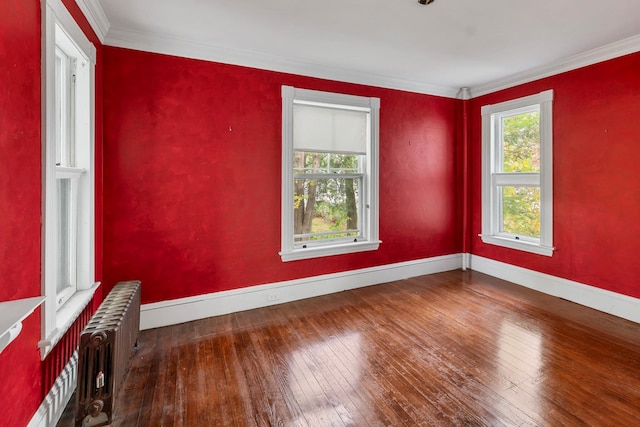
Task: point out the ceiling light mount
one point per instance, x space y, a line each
425 1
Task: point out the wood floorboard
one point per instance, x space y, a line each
449 349
339 358
310 374
467 370
390 351
456 377
419 351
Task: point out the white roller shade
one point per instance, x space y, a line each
326 129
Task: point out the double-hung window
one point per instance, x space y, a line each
68 190
68 170
329 173
517 173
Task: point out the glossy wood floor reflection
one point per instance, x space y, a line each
450 349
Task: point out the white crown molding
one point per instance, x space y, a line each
187 48
590 57
156 43
172 312
610 302
96 17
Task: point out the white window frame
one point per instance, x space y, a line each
60 310
493 179
369 240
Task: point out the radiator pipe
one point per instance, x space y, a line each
465 95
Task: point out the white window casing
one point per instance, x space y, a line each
68 116
330 122
493 178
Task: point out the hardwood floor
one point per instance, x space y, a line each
450 349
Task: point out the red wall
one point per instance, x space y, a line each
20 183
21 371
20 149
192 176
596 148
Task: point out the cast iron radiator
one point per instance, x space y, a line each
106 345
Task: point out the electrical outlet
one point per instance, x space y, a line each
272 297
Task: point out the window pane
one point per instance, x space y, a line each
65 233
521 211
64 109
521 142
326 208
314 163
59 108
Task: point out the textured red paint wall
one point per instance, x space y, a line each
596 148
192 176
21 371
20 150
20 183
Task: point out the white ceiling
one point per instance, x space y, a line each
437 48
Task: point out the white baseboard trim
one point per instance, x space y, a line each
466 261
182 310
172 312
56 400
607 301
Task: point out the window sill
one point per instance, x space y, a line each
322 251
12 314
65 317
518 244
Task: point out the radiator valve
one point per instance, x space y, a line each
99 380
